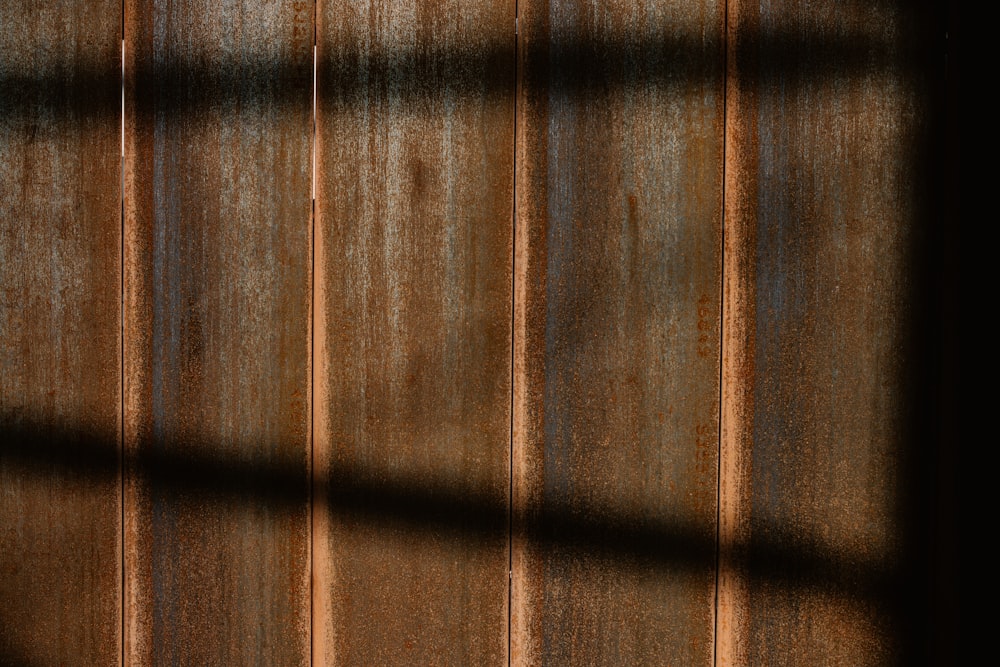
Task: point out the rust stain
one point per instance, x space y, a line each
60 378
737 345
217 274
620 130
821 212
413 335
395 358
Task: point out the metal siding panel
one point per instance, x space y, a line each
413 333
824 209
217 340
620 146
60 397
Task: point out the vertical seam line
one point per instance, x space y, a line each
513 357
121 342
722 325
312 343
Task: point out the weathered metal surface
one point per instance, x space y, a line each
413 331
823 207
618 287
216 332
60 222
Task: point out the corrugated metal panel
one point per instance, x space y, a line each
413 333
60 225
619 210
217 275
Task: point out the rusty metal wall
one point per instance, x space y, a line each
826 212
618 262
601 342
217 331
414 183
60 379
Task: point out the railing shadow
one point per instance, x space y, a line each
186 85
63 453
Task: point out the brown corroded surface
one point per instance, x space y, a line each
823 207
618 260
60 222
217 311
413 331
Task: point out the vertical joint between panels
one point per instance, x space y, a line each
513 348
722 328
513 360
312 341
122 470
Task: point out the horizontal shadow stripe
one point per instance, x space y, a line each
192 471
410 77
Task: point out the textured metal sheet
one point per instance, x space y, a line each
618 260
413 331
60 227
217 341
824 202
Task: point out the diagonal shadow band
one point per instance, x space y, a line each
350 77
172 471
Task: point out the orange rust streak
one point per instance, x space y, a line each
217 327
60 226
413 339
616 362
